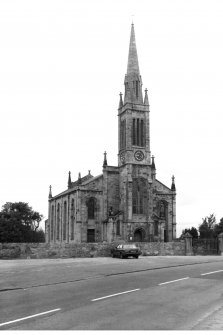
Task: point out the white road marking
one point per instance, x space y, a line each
208 273
113 295
172 281
29 317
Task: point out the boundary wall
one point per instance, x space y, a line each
46 250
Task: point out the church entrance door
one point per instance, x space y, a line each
139 235
90 235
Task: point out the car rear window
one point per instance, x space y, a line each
130 246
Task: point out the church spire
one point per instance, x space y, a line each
133 64
133 82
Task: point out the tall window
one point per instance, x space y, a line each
51 225
162 209
72 219
58 222
64 220
123 134
138 132
91 208
139 196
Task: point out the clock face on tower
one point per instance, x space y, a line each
139 155
122 158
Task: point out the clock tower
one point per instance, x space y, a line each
137 173
133 113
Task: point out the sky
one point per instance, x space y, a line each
62 67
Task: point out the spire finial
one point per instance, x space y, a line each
50 192
173 187
105 163
69 184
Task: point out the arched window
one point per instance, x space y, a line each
72 219
123 134
51 225
58 222
139 196
138 132
64 220
162 209
91 208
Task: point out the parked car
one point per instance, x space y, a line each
126 250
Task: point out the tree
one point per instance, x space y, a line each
218 228
19 223
193 231
206 228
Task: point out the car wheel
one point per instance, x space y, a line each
121 256
136 256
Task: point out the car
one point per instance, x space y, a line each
125 250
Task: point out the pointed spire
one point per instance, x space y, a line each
50 192
146 100
133 81
133 64
105 159
120 101
79 178
69 184
173 187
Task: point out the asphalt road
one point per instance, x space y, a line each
149 293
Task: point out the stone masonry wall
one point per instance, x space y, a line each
45 250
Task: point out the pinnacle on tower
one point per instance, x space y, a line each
120 101
153 166
146 99
69 180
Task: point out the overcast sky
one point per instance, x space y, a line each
62 66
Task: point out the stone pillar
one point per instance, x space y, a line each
188 244
220 244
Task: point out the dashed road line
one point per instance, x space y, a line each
173 281
208 273
29 317
115 294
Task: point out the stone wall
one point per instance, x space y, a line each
46 250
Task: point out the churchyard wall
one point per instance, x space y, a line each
66 250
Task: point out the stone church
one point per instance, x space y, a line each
125 202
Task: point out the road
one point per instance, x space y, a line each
149 293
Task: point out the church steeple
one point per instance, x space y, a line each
133 82
133 64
